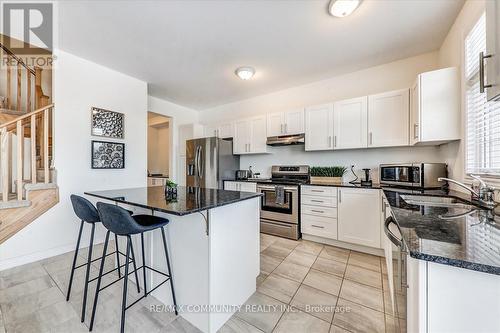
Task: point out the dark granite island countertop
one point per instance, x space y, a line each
461 237
189 199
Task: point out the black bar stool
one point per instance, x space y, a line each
118 221
87 213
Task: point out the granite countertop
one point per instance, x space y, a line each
189 199
374 186
461 237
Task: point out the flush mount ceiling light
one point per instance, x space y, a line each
245 73
342 8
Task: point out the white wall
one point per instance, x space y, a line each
79 85
451 53
180 115
391 76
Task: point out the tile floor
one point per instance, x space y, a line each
303 287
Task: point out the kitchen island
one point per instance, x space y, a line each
213 240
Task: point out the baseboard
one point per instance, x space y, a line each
349 246
33 257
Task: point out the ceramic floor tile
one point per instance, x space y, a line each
261 278
12 277
335 253
336 329
310 247
279 287
301 322
329 266
288 244
391 324
357 318
365 260
315 302
268 264
9 295
301 258
363 294
292 271
363 275
323 281
265 321
276 251
236 325
183 326
24 306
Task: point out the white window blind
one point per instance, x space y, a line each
483 118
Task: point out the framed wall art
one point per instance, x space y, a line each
108 155
107 123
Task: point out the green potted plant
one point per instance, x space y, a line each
170 189
327 175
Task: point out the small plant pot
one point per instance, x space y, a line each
170 193
326 180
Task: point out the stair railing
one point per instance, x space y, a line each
32 120
16 67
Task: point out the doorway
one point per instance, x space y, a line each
159 146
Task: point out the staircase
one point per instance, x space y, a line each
27 177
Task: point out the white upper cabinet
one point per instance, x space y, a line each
492 60
294 122
210 131
435 107
319 127
285 123
359 215
242 136
350 123
250 136
225 131
388 119
275 124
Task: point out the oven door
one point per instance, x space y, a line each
270 209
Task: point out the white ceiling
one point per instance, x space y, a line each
188 50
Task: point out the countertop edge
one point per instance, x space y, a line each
456 263
177 213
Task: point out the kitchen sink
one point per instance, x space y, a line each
436 201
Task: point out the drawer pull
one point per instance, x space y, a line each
317 201
320 191
317 226
318 211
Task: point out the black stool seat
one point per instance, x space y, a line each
149 222
120 222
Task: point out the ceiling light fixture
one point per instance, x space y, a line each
342 8
245 73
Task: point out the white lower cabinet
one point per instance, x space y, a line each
359 216
240 186
319 211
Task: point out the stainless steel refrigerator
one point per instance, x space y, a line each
210 161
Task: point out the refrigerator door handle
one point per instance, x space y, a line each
200 164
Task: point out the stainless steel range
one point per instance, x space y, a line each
279 208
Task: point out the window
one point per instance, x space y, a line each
483 118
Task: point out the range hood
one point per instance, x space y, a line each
286 140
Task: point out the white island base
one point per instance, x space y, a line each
212 274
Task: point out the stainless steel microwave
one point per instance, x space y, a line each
421 175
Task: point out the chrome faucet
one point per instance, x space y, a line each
485 195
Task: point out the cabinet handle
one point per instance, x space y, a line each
415 131
383 207
320 191
482 85
318 211
335 141
317 226
371 138
330 141
281 128
340 196
317 201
